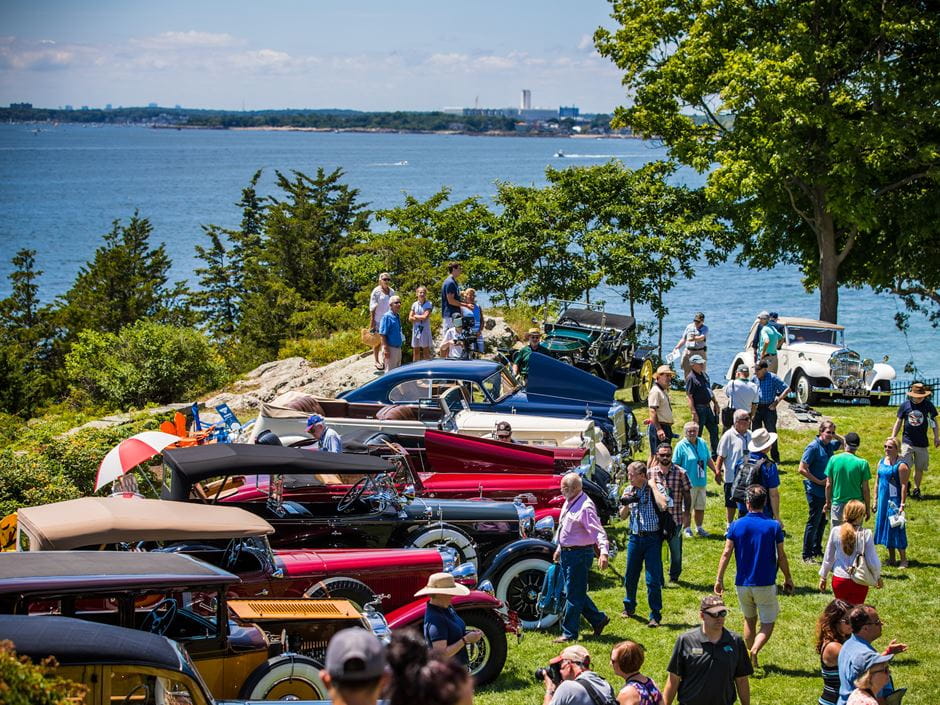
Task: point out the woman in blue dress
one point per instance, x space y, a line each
893 474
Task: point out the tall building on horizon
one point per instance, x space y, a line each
526 102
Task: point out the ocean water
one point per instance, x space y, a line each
61 187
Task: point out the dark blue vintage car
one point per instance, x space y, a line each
553 388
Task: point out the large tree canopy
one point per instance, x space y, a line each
818 119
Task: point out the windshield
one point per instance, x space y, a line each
498 385
807 334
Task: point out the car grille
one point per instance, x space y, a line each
846 371
617 416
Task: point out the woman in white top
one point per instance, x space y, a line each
846 542
421 325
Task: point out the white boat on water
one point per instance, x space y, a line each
559 154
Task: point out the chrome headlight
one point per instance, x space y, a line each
465 572
868 364
448 558
526 516
487 587
545 526
378 625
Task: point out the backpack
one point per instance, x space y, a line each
552 596
748 474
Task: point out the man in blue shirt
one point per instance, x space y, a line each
390 330
768 476
450 296
866 627
326 438
757 544
772 390
813 469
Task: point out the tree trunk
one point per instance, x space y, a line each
829 261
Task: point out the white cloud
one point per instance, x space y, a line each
190 39
586 43
44 55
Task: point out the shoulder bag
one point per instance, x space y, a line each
597 698
860 571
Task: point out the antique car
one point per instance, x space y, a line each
604 344
186 600
552 389
815 363
354 501
114 664
237 541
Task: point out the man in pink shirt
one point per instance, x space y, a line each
579 531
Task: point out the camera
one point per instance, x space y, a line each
464 334
629 499
553 671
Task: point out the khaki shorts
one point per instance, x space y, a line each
760 601
698 497
915 457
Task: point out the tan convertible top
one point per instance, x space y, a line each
811 322
92 521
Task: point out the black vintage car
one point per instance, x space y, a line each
360 501
602 343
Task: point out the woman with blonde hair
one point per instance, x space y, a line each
846 542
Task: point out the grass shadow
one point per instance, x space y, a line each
914 563
798 672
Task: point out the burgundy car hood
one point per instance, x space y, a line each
454 452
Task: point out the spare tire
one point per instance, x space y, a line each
285 677
339 588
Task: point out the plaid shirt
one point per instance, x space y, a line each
643 513
676 483
770 387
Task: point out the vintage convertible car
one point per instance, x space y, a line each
816 364
114 664
356 501
601 343
552 389
247 649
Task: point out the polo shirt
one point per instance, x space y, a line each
708 670
522 356
733 448
741 394
659 399
390 327
847 472
699 387
816 456
770 337
444 624
916 416
693 459
851 660
755 539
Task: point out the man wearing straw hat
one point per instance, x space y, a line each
768 476
916 413
661 418
443 628
520 361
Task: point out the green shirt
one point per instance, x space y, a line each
521 358
847 472
772 337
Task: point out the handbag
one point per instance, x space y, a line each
370 337
860 571
897 520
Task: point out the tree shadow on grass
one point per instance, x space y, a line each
798 672
698 587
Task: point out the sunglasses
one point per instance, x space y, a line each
504 435
717 615
386 279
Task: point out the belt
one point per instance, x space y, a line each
645 533
697 349
577 548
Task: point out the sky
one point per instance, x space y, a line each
358 54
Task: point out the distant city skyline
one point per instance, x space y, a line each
365 55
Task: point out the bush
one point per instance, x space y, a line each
322 351
23 683
145 362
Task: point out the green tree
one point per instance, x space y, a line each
820 119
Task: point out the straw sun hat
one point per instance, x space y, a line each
442 584
761 439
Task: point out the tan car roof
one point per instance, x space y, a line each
787 321
91 521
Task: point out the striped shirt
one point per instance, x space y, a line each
770 387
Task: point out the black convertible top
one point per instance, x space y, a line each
600 319
73 641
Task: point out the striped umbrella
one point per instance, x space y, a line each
130 453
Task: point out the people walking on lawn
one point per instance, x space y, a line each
847 478
390 330
695 340
709 665
813 469
691 454
871 680
378 307
660 408
890 498
732 450
664 473
742 394
420 317
846 542
579 531
858 649
644 546
832 629
772 390
917 413
579 684
626 659
767 475
756 541
702 402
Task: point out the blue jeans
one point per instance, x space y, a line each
675 554
645 548
575 565
815 526
707 419
765 417
654 438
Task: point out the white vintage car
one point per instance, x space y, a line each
814 361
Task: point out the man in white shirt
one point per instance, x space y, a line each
695 339
742 393
732 450
378 307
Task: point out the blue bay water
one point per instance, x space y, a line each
60 189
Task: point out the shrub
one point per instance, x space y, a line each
25 683
145 362
322 351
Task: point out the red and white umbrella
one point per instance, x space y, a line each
132 452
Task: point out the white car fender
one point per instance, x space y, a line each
882 371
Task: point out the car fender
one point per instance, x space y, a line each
742 358
882 372
814 368
517 550
412 614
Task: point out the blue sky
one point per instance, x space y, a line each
367 55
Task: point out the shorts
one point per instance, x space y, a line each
730 503
835 513
915 456
698 497
759 601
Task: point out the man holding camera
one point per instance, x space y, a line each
569 681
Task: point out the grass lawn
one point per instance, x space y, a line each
909 603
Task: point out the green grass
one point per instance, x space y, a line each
909 603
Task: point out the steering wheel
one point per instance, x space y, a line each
158 620
232 554
353 495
